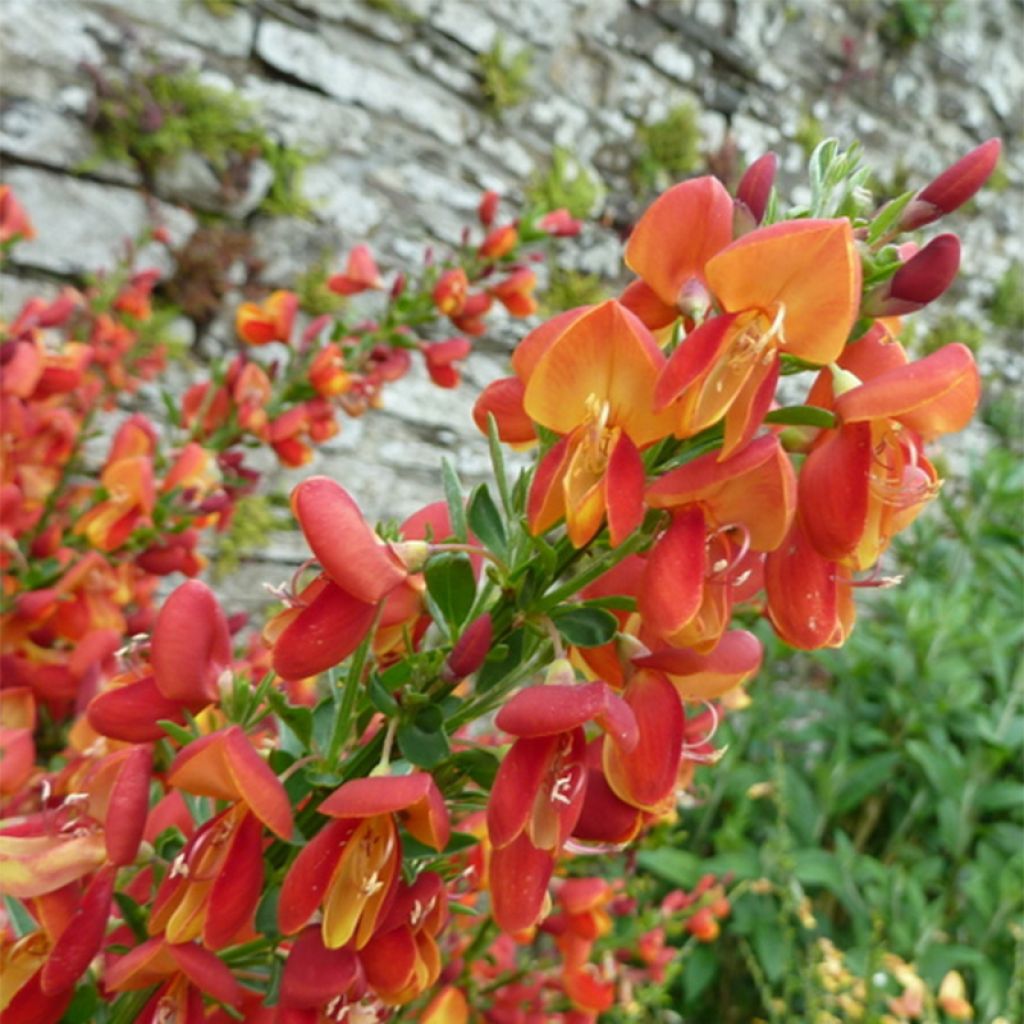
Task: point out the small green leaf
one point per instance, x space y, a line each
266 913
495 669
380 697
699 969
84 1007
22 922
585 626
453 495
452 586
677 867
422 739
498 463
802 416
486 522
413 849
480 765
771 948
133 915
177 732
888 217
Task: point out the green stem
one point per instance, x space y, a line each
349 694
597 568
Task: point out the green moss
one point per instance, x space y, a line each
1000 180
903 23
504 76
151 118
315 298
568 289
250 528
810 132
668 149
566 183
284 197
395 9
951 327
1006 306
221 8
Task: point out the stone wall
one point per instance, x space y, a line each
386 97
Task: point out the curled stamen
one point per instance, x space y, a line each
874 580
722 568
715 721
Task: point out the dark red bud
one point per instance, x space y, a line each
953 187
488 208
756 185
920 280
470 649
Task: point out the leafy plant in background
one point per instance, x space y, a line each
565 183
888 810
504 76
668 149
154 116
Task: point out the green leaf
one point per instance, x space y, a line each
495 670
298 719
771 948
802 416
699 970
134 916
678 867
866 776
479 765
422 739
84 1007
412 848
498 463
452 586
380 697
585 626
453 495
177 732
22 922
888 217
266 913
818 867
486 522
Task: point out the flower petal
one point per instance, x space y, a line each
346 547
673 582
677 235
809 267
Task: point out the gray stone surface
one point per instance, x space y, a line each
82 226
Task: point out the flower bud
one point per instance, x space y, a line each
470 649
953 187
500 242
922 279
488 208
702 925
756 185
413 554
560 673
450 291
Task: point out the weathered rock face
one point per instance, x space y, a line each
385 97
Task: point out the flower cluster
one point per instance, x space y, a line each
408 803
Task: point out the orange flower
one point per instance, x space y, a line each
868 479
352 865
589 375
360 275
271 320
721 510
